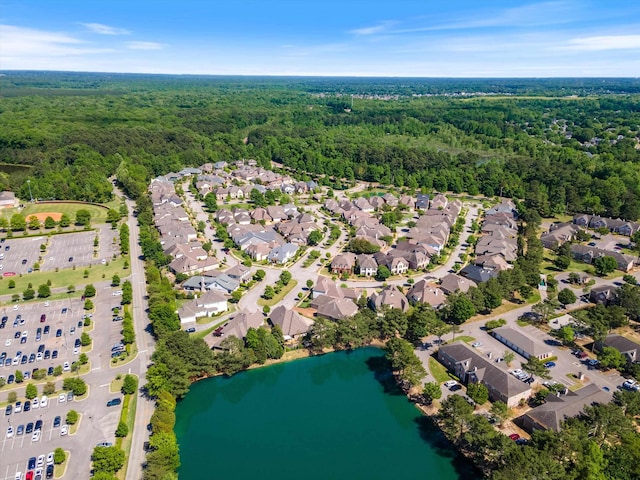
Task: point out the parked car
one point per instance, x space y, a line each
550 364
514 436
64 429
113 402
56 421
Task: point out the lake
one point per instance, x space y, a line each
338 415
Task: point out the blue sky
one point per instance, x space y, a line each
464 38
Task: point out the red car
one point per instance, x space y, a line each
43 317
514 436
29 475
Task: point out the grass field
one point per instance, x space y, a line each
286 289
98 214
64 278
439 372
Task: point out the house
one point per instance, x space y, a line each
258 252
422 202
478 274
377 202
209 303
604 294
425 292
396 264
343 263
452 283
224 283
438 202
559 234
8 200
276 213
629 348
198 283
561 406
472 367
367 265
587 254
505 206
391 297
525 345
238 327
288 189
282 254
326 286
334 308
390 199
189 265
363 204
239 272
292 324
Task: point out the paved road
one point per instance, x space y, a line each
146 346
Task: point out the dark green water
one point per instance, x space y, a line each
328 417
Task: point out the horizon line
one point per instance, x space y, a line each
317 75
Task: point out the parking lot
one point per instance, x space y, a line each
18 255
610 242
98 421
39 335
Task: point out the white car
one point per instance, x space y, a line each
450 383
628 384
64 429
66 367
39 357
62 398
476 344
50 458
7 342
18 476
46 304
36 436
516 372
15 307
18 407
40 461
44 401
76 350
9 431
35 404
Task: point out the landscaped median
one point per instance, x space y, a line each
124 431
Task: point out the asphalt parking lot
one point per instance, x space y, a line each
15 251
610 242
98 422
58 332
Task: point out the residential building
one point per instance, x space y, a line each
629 348
525 345
282 254
472 367
292 324
452 283
587 254
563 405
425 292
238 327
390 297
207 304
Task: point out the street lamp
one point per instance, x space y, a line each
29 184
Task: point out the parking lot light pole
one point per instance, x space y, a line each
30 195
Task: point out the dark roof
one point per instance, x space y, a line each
487 372
477 273
559 407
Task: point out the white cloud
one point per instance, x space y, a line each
380 28
27 42
144 46
605 42
105 29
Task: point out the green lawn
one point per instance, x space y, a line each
98 213
64 278
286 289
439 372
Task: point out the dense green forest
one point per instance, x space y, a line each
566 145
